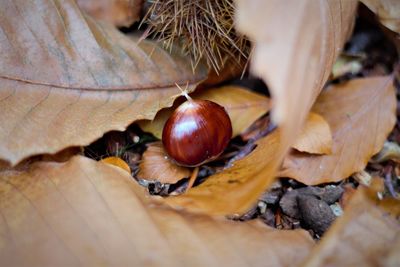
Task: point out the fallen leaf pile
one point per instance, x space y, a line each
92 79
88 213
71 81
368 108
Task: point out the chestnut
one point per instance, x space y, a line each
197 132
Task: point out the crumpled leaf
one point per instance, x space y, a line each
296 44
315 137
366 235
388 12
66 79
243 107
92 214
117 12
361 113
156 165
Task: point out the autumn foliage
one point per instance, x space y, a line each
70 79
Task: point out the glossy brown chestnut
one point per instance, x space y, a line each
198 131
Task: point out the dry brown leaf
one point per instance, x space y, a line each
242 105
315 137
115 161
366 235
231 70
361 113
235 189
156 165
87 213
388 12
296 44
118 12
66 79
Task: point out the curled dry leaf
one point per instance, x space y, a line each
87 213
296 45
361 113
388 12
242 105
366 235
234 190
65 84
315 137
156 165
118 162
118 12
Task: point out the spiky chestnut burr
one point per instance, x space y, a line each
205 29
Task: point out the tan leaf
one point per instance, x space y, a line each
242 105
66 79
87 213
118 162
361 113
118 12
388 12
235 189
364 236
315 137
156 165
296 44
230 70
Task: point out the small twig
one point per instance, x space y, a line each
241 154
267 130
192 178
250 145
